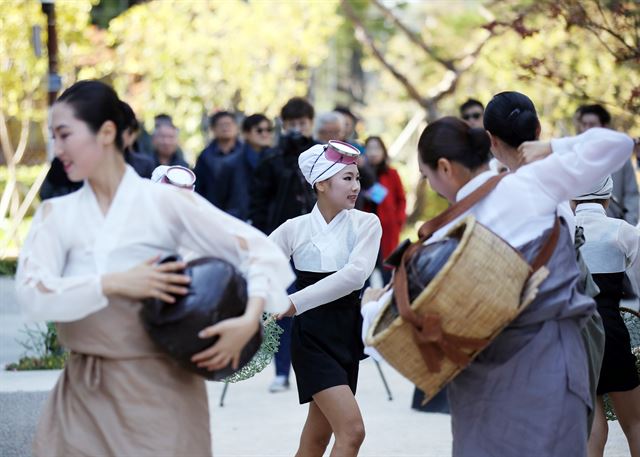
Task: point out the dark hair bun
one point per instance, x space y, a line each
451 138
512 117
479 141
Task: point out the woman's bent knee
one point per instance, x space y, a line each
352 436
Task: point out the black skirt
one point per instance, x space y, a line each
326 344
618 372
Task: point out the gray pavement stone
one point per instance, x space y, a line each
19 413
253 422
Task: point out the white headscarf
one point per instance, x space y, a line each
600 191
316 166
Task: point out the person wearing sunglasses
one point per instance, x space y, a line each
237 170
334 250
471 112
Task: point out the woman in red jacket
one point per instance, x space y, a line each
391 209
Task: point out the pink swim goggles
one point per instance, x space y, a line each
337 152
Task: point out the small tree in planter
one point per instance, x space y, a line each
43 350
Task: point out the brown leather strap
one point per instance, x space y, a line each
460 207
547 248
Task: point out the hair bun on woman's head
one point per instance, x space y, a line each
479 141
525 126
511 116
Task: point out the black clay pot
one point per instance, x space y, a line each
217 292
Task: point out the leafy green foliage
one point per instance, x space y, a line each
43 350
270 342
190 58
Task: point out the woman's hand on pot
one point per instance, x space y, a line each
148 279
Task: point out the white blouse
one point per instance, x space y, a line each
348 246
612 245
71 244
524 204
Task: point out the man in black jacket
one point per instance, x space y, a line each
280 192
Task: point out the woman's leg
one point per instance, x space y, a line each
315 434
599 430
627 408
341 411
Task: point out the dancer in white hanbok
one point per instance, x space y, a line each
527 393
89 260
334 250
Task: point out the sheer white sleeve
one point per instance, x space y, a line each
349 278
210 231
579 162
42 291
629 240
282 238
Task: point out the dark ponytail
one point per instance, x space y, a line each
512 117
95 103
452 139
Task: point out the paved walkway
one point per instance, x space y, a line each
252 423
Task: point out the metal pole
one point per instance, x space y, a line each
224 394
53 81
384 380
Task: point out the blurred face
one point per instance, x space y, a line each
439 180
79 149
342 189
473 116
260 136
375 152
303 125
225 129
588 121
349 127
329 131
165 140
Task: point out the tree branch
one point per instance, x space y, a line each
366 39
414 37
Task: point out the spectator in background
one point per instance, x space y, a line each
471 112
330 126
280 192
349 127
144 141
210 182
390 204
625 198
257 132
165 145
141 163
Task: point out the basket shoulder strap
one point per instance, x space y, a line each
457 209
547 248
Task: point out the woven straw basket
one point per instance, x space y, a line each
476 294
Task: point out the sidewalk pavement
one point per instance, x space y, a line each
255 423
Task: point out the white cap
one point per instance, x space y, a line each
322 161
600 191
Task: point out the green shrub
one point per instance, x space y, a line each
43 350
8 267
